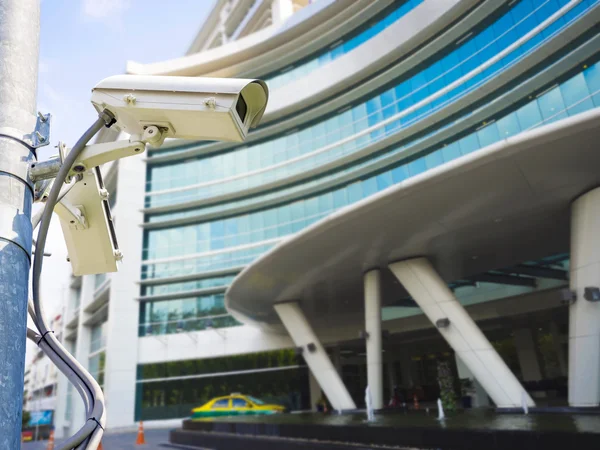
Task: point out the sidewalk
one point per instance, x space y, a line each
121 441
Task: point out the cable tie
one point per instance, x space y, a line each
43 338
98 423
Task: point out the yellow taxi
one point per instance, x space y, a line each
233 405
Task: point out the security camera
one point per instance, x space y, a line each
149 109
152 108
88 227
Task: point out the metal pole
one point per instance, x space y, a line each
19 48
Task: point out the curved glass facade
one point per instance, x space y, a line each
184 315
578 94
473 62
232 240
193 285
341 47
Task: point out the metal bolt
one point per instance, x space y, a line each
211 102
103 194
129 99
40 137
42 117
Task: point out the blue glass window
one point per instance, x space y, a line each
384 180
488 135
340 198
592 78
468 144
570 97
451 151
552 106
354 192
469 54
508 126
576 95
342 48
417 166
434 159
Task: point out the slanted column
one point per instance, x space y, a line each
336 359
480 398
315 391
372 282
315 355
460 331
584 315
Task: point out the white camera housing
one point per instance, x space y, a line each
221 109
87 226
149 109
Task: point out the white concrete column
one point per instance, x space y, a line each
317 360
462 334
123 309
336 359
82 347
315 391
61 424
372 281
584 316
281 10
528 360
480 398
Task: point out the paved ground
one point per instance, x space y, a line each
122 441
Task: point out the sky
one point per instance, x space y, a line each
81 43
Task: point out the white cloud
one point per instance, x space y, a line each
105 9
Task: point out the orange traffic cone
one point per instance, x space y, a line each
140 437
415 401
51 441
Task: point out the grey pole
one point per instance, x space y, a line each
19 48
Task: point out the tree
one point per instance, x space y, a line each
446 381
25 419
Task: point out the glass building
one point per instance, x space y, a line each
364 95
